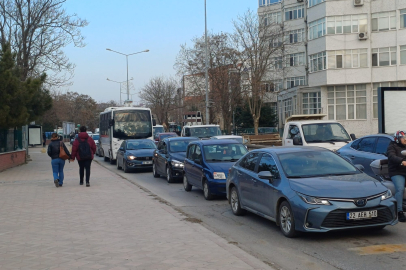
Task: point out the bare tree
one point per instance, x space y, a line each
160 93
258 45
38 30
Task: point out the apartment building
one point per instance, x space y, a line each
339 52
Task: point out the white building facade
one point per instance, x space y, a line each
338 53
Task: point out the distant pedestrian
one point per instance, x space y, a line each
54 151
83 150
44 139
397 169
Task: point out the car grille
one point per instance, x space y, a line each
143 158
337 218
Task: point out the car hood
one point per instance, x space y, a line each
220 166
141 152
342 186
329 146
179 156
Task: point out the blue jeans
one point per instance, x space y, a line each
57 169
399 182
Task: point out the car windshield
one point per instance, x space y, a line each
158 130
95 137
315 163
224 152
132 124
136 145
179 146
325 132
204 132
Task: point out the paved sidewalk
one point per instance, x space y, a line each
111 225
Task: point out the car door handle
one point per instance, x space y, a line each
239 173
254 180
352 157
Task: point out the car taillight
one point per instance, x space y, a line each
229 171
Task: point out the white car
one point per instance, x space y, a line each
231 137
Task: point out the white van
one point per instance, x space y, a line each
201 131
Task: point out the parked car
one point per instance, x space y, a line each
168 158
73 139
98 149
164 135
95 137
226 137
207 163
365 150
135 154
309 189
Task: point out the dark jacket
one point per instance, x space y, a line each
53 148
395 158
75 147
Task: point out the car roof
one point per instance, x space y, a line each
173 139
227 136
167 133
211 142
290 149
138 140
197 126
377 135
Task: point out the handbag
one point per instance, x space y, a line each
62 153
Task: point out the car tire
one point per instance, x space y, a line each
286 220
112 161
235 203
125 168
169 177
154 171
186 185
117 163
106 158
206 191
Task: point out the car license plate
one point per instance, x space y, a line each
362 215
147 162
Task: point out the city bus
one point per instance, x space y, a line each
121 123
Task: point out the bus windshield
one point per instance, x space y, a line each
132 124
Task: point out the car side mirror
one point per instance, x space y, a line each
266 175
121 148
297 141
359 167
197 161
154 122
352 135
403 153
111 122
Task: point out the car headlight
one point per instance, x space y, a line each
313 200
177 163
219 175
131 157
387 195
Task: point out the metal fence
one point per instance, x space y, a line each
10 140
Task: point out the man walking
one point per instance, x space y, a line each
83 150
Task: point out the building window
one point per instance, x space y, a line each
317 29
317 62
277 62
347 24
403 55
347 102
383 21
384 57
294 13
296 59
348 58
295 81
403 18
312 103
295 36
263 3
287 107
276 42
375 95
277 85
315 2
271 18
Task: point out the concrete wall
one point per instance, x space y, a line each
11 159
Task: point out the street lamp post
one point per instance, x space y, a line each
120 85
126 56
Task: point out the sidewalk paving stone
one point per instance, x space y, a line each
111 225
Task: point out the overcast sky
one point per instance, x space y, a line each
130 26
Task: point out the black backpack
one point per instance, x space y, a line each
84 150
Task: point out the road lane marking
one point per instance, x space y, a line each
380 249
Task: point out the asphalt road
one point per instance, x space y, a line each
360 249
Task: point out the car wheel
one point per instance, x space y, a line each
206 191
118 166
154 171
125 168
186 185
286 220
169 177
235 203
112 161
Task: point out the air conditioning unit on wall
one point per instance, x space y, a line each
358 3
300 0
363 35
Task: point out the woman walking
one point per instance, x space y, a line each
57 162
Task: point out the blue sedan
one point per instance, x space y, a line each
308 189
135 154
207 163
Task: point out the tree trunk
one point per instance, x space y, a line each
256 124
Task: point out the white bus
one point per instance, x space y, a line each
121 123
